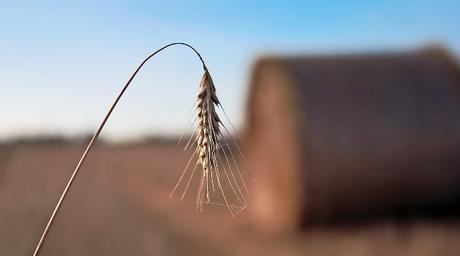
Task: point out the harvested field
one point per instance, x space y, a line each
120 205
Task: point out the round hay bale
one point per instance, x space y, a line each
353 136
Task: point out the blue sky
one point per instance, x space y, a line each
62 62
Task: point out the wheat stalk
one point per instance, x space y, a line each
207 137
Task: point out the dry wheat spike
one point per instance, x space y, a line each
208 134
214 156
207 139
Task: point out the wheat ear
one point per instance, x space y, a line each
210 152
204 146
208 134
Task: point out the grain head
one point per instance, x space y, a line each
213 154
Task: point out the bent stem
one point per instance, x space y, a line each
94 138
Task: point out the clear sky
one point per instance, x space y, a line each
62 62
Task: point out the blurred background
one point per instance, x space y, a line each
348 112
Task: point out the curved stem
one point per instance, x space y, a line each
94 138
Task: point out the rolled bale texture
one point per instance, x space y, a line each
353 136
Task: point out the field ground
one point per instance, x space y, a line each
120 205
